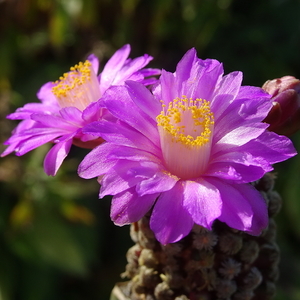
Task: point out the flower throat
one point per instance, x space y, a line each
185 128
79 87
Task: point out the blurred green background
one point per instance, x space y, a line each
56 238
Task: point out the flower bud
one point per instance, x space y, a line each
284 117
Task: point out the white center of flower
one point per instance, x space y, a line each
185 130
78 88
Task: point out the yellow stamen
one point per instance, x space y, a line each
78 88
185 129
201 119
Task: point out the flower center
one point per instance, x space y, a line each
79 87
185 130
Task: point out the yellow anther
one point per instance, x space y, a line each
188 121
78 87
78 75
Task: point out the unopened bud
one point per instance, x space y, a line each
284 117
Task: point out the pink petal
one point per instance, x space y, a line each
258 206
203 201
236 210
229 85
96 163
28 144
120 134
94 61
250 92
208 72
112 67
237 172
240 136
51 121
73 115
120 104
30 108
160 182
127 207
241 113
143 98
46 95
271 147
124 175
185 65
56 156
164 92
131 67
170 221
93 112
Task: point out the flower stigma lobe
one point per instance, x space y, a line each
185 130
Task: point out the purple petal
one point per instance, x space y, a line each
203 201
38 131
229 86
127 207
240 157
272 147
160 182
56 156
258 206
28 144
119 103
250 92
143 98
240 136
28 109
224 171
121 134
72 114
131 67
112 67
208 72
94 61
46 95
149 81
185 65
93 112
133 154
237 172
150 72
96 162
124 175
236 210
164 92
170 221
54 122
250 167
241 113
18 132
11 148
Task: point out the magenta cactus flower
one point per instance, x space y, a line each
70 103
186 152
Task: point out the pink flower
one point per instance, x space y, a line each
71 103
187 152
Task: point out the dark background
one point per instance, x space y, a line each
56 238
